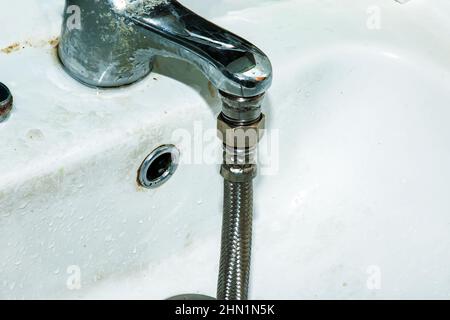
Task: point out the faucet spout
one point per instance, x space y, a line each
117 40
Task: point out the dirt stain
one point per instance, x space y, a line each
212 90
16 46
54 42
11 48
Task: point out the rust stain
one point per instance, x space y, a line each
16 46
54 42
139 187
11 48
6 109
212 90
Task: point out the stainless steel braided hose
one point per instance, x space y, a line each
236 241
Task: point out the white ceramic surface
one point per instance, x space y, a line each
359 208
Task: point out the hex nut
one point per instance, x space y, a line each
240 136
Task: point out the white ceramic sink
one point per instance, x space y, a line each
358 208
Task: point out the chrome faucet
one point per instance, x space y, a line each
115 42
110 43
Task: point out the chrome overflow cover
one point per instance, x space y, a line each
159 166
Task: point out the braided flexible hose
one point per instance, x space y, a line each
236 241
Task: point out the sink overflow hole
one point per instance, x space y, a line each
4 93
159 166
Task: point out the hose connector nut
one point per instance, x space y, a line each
240 136
241 173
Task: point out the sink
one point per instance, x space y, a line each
352 201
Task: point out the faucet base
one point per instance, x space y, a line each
105 76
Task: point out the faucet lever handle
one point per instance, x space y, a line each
232 64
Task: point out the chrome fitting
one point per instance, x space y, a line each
241 110
235 173
240 126
240 136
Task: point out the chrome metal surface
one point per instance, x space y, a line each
235 255
158 167
241 110
114 42
6 102
234 134
191 296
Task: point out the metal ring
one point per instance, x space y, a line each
159 166
6 102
